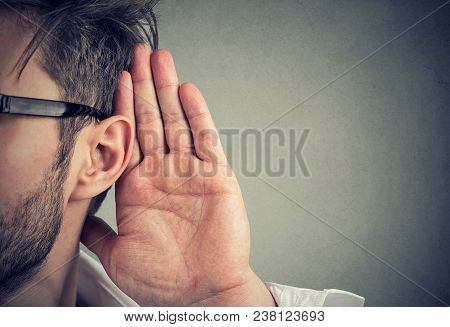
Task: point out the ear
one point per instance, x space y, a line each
108 152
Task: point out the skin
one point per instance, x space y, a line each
183 235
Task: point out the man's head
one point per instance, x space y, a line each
72 51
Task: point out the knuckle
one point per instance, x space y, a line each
148 116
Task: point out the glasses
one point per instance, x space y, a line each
47 108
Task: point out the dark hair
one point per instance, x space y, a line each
83 46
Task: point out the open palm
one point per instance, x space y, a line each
183 233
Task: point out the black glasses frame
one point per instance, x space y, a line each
16 105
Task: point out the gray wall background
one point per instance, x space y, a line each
374 216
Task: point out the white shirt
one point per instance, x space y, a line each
96 289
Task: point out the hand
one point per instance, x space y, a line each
183 232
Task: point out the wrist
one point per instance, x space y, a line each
253 293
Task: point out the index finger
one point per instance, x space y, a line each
123 105
146 108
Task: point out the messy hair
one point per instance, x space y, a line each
84 45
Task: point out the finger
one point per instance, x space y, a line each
123 104
176 127
206 138
148 118
97 236
123 97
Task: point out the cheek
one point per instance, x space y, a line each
27 149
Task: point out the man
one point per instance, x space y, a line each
183 233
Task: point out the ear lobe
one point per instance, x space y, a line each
108 153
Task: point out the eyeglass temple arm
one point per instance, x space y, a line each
18 105
49 108
4 103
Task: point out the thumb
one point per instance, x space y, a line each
97 236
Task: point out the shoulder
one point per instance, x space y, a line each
96 289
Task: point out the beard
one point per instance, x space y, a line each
29 230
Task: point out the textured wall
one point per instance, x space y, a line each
373 218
